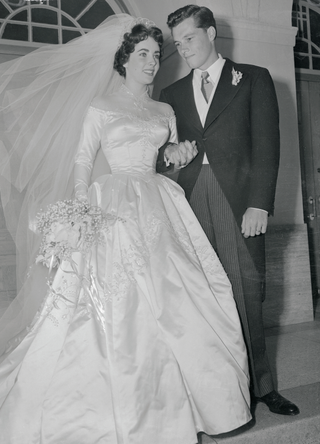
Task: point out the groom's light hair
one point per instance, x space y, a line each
203 17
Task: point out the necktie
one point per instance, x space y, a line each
206 85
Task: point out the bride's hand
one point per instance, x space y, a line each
181 154
81 195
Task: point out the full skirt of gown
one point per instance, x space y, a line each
147 347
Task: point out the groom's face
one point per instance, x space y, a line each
195 45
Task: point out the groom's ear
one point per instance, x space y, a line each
212 33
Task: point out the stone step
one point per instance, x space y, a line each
268 428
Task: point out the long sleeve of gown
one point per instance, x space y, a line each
87 150
173 129
162 163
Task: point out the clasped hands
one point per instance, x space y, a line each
181 154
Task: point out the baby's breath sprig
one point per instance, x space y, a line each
68 226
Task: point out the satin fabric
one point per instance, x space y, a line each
143 342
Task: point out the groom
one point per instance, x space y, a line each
231 111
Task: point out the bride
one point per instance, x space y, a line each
136 339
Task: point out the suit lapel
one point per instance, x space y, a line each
224 93
185 102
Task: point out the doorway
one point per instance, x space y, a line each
308 103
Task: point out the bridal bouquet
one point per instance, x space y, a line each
69 226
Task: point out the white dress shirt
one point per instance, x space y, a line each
202 106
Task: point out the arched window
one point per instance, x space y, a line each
306 17
53 21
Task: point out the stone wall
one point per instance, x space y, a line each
288 284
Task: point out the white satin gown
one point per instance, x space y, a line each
147 347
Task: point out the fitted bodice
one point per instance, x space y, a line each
129 131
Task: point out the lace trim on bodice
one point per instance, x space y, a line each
109 114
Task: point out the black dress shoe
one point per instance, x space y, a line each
279 404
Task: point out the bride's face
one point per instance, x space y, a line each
144 62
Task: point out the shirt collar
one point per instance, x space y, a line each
214 70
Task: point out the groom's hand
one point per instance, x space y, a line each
182 154
254 222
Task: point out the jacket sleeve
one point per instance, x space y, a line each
265 138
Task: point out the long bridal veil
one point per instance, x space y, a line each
43 99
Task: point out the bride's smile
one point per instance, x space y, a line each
143 64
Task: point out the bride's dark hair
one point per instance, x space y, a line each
130 40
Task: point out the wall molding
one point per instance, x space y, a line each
251 30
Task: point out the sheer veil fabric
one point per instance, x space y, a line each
44 97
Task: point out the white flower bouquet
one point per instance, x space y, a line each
69 226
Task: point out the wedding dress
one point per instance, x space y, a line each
147 347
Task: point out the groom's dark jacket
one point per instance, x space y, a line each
240 136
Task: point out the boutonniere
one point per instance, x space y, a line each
236 77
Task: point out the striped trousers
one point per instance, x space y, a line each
243 261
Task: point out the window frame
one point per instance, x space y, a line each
22 47
299 18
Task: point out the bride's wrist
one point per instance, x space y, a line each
81 196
